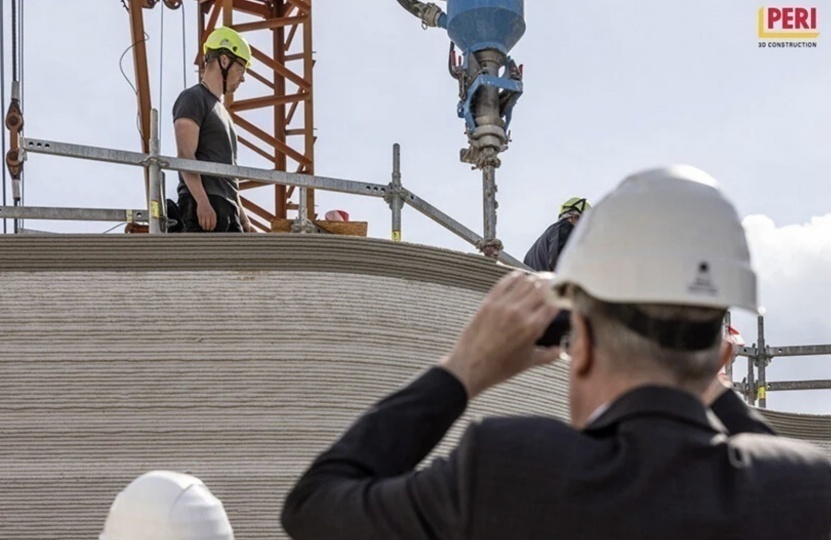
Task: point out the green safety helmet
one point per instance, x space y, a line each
574 204
230 40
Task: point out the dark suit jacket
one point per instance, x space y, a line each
656 465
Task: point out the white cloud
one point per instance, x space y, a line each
793 263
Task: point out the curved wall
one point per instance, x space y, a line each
237 359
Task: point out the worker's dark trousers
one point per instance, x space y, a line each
227 215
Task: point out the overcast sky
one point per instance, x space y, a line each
610 87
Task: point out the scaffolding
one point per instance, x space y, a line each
755 386
394 193
282 47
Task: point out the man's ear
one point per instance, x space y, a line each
582 346
725 353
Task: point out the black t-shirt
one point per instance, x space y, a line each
217 138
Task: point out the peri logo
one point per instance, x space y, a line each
788 23
703 282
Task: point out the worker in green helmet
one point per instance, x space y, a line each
205 132
543 255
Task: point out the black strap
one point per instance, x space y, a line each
225 71
578 205
676 334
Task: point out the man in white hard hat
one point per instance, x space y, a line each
657 447
164 505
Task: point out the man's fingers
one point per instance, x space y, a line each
536 300
545 355
542 317
516 286
505 284
534 295
521 293
208 220
522 303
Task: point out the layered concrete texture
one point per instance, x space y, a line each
235 358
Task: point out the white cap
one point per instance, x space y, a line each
165 505
663 236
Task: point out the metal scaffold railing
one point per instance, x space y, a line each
755 386
393 193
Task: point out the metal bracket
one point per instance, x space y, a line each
508 85
304 226
150 161
431 16
14 123
491 248
394 192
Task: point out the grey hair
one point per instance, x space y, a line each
630 352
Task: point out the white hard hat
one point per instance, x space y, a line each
663 236
165 505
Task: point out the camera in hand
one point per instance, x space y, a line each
560 326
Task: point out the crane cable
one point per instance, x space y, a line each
184 47
161 68
14 40
17 82
126 78
22 100
161 60
3 103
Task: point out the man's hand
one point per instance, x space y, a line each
246 223
206 214
243 216
499 342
